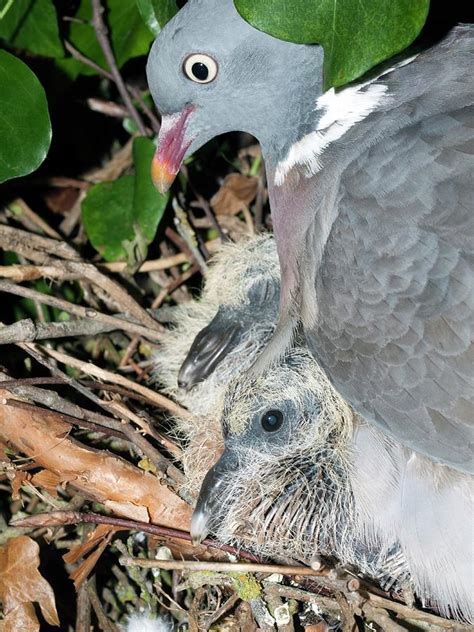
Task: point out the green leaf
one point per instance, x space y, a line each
31 25
128 34
156 13
148 205
25 128
121 217
355 34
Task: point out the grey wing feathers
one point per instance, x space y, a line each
397 307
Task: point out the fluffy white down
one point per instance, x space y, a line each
143 623
225 284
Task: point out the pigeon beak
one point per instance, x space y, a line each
210 505
172 146
209 348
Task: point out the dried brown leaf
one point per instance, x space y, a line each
61 200
21 585
100 539
235 195
17 479
48 481
95 538
23 618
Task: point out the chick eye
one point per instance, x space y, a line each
272 420
200 68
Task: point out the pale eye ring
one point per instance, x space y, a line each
200 68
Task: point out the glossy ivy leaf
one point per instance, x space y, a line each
148 205
156 13
25 128
128 33
121 217
355 34
31 25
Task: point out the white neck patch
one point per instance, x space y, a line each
342 110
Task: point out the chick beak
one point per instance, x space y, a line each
210 506
172 146
209 348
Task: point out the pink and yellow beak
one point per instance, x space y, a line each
173 144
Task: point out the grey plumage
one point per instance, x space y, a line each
372 205
327 482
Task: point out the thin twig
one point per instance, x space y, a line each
103 39
61 518
82 312
218 567
154 398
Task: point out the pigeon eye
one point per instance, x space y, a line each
272 420
200 68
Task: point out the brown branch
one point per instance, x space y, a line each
154 398
33 246
218 567
61 518
103 39
83 312
27 330
97 474
117 409
155 123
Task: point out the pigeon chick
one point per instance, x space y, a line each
371 194
213 339
301 476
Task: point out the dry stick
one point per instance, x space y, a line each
108 108
19 273
104 623
155 124
88 368
27 330
149 266
161 462
83 610
24 242
74 421
61 518
187 233
416 615
34 217
173 285
119 162
382 618
218 567
79 310
230 603
62 182
102 37
115 291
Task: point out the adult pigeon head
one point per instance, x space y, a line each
210 72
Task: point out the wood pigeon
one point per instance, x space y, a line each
371 194
300 473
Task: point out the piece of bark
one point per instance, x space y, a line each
99 475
